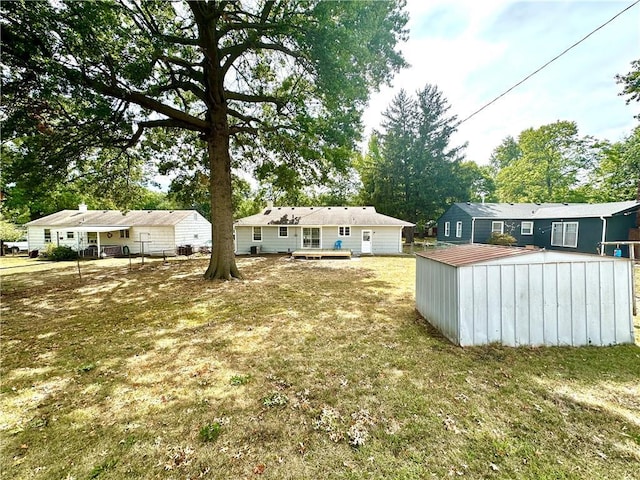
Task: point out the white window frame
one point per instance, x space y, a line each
124 233
70 236
447 228
311 237
458 229
253 234
286 231
47 235
528 230
344 231
499 223
564 226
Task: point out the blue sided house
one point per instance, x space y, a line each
576 227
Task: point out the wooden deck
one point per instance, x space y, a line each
318 254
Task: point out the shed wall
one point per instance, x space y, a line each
571 303
436 295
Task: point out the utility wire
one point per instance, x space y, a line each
549 62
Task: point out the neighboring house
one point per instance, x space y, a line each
286 229
113 232
577 227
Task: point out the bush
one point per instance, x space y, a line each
61 253
502 239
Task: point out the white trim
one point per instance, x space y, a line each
302 237
370 242
530 230
458 229
447 228
253 234
287 230
346 230
563 226
493 230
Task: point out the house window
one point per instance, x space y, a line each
526 228
564 234
124 233
283 232
311 237
458 229
497 227
69 235
47 235
447 228
344 231
257 234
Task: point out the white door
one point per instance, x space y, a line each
366 241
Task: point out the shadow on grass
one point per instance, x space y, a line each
115 376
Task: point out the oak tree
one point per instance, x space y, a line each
281 85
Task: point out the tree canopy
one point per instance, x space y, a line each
409 167
274 86
545 164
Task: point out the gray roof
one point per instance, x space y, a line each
115 218
545 210
320 216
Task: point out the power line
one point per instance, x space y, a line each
550 62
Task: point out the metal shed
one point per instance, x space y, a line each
479 294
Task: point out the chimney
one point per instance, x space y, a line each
82 207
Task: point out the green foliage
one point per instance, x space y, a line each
502 239
279 86
60 253
548 164
210 432
631 83
408 168
9 231
616 177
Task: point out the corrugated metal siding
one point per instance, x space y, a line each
436 296
572 303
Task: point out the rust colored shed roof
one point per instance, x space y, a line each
473 253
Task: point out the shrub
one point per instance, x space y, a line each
61 253
502 239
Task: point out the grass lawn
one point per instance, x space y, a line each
304 370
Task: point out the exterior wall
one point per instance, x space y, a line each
194 230
161 238
385 240
35 238
453 215
562 303
618 229
482 230
437 296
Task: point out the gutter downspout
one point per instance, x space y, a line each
604 235
473 227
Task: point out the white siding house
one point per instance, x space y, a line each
286 229
480 294
113 232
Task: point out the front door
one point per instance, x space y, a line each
366 241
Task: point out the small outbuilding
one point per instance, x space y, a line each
480 294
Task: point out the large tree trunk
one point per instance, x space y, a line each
222 264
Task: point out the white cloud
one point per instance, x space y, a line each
473 51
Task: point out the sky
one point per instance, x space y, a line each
474 50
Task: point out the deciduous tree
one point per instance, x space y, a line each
282 83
